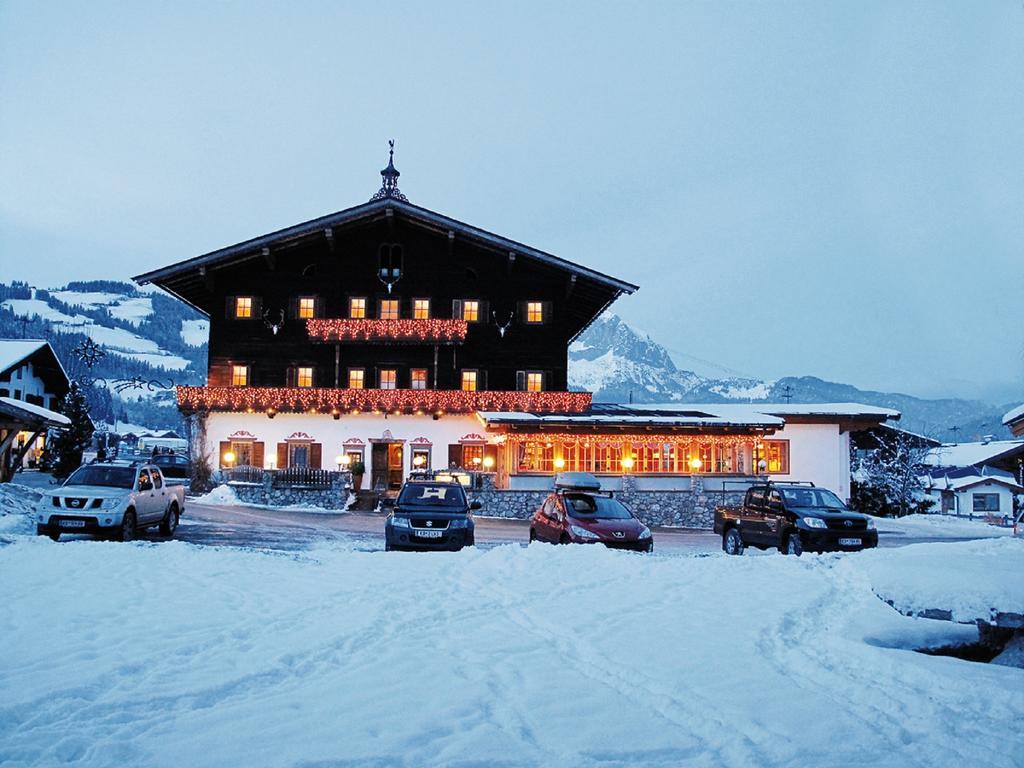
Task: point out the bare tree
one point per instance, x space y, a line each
889 478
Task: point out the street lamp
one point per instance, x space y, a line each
339 460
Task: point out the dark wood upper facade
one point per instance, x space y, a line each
529 304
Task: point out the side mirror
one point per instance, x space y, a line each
475 505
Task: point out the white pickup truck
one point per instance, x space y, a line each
111 498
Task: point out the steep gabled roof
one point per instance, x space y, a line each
15 352
375 208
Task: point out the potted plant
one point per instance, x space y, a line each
358 470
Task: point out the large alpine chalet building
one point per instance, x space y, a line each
397 337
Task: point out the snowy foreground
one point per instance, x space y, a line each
168 654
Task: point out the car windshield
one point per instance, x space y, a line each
586 507
111 477
811 497
432 495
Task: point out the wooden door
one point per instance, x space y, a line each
396 468
379 465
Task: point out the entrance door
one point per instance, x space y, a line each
396 468
379 466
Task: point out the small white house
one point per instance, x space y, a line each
988 493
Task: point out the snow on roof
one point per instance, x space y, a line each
824 410
951 483
1014 415
971 454
10 404
13 351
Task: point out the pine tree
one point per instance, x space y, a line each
67 447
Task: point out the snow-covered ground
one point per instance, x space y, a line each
169 654
940 526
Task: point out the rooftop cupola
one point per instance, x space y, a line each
389 177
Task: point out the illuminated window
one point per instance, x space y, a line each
388 309
239 375
388 378
421 309
243 307
307 308
304 377
534 381
357 308
469 379
535 312
471 311
356 378
775 455
418 378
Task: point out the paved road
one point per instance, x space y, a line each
240 526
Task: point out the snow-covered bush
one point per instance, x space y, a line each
887 481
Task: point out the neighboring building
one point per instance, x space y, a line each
32 381
1015 420
405 339
983 492
1006 455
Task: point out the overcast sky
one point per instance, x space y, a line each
833 189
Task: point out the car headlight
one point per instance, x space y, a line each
871 523
110 503
458 522
399 522
645 533
815 522
583 533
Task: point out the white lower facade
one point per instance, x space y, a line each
393 446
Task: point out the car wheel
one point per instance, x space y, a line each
650 548
732 542
42 530
565 539
127 530
170 523
388 547
793 544
533 535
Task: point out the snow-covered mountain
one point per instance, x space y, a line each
148 341
618 364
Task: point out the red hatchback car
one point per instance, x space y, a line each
579 513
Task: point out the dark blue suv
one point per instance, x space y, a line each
428 515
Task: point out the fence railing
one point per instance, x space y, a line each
292 477
304 476
243 474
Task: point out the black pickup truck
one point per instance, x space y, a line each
794 517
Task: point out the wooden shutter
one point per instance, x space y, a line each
225 446
545 380
454 455
481 380
520 381
318 307
257 455
457 309
257 308
485 312
291 376
282 455
548 307
316 456
521 312
229 307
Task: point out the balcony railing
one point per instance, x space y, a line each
405 331
271 400
290 477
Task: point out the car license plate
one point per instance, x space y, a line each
430 534
72 523
849 542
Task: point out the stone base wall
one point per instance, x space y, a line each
694 508
335 498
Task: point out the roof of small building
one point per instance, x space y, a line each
973 454
960 482
1014 414
768 416
13 351
31 414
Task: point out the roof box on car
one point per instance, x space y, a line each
577 481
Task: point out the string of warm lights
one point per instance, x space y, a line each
428 330
650 438
272 400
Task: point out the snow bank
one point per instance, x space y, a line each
167 654
16 505
972 579
940 526
222 494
